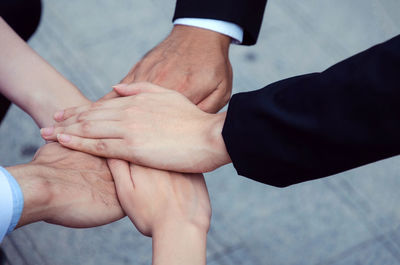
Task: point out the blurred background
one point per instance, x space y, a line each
350 218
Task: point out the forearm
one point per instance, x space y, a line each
30 82
178 244
316 125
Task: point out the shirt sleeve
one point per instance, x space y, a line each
6 205
244 13
11 203
227 28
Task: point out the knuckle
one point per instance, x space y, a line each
59 130
86 127
82 116
68 113
101 146
226 99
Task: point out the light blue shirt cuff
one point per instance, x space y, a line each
18 200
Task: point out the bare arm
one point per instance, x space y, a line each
179 244
30 82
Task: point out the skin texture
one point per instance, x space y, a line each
196 63
25 71
171 207
160 197
76 189
68 188
61 175
192 61
155 127
160 206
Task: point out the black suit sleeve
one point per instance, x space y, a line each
246 13
316 125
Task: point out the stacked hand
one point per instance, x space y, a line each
154 199
192 61
76 189
146 128
68 188
154 127
172 208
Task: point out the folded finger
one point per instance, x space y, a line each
214 102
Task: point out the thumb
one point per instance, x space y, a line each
137 88
121 173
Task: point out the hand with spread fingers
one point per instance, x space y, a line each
155 127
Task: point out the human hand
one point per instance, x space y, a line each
68 188
192 61
173 208
157 127
153 199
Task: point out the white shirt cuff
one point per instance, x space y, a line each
6 205
227 28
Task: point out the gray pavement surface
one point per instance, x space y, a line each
350 218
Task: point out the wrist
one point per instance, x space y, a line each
179 243
55 93
201 36
180 227
36 192
215 140
44 106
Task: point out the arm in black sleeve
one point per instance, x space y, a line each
316 125
246 13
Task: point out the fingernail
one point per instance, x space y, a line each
47 131
120 86
59 114
63 138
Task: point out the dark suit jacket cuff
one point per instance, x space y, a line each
246 150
